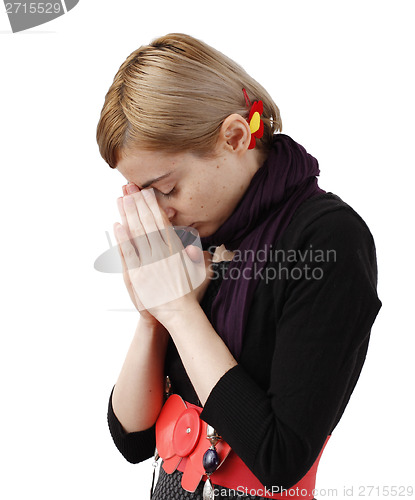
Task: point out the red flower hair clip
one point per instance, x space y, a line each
256 125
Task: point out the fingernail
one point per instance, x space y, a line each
132 188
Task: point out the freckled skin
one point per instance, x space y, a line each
194 180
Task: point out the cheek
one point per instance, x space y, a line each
207 201
194 197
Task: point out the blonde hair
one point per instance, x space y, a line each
173 95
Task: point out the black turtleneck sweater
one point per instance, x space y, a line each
304 347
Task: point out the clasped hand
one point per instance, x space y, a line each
160 274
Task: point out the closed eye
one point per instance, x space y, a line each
169 194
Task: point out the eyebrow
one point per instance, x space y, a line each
152 181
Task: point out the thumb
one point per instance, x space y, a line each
194 253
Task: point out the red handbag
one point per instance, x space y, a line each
181 442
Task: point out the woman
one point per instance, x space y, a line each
268 349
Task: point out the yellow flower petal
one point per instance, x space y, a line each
255 122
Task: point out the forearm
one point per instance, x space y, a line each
138 393
205 356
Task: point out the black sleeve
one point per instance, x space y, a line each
321 337
134 446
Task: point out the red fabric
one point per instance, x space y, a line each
181 442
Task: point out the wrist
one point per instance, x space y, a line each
180 314
151 330
149 322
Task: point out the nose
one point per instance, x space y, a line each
166 206
169 211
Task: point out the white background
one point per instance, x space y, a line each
342 75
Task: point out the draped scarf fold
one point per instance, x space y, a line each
284 181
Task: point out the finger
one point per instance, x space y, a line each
125 273
151 218
124 190
131 258
169 235
159 215
124 267
133 219
131 188
163 223
138 233
144 245
148 211
166 229
124 222
196 272
126 277
161 220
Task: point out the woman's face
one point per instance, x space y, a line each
193 191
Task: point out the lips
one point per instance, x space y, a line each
192 225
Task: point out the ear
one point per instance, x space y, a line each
235 133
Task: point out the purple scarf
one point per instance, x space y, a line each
285 180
